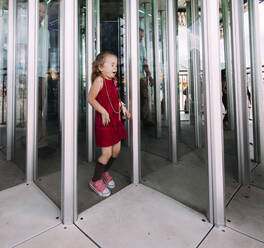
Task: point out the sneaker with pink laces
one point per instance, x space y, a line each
100 188
108 180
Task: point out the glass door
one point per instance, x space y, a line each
187 179
3 75
108 35
48 176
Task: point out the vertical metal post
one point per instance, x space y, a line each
213 93
195 84
228 65
172 44
11 84
69 93
133 80
239 78
32 90
98 29
164 61
90 57
156 69
256 80
148 50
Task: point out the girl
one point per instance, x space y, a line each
109 129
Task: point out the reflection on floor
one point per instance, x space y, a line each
10 174
257 176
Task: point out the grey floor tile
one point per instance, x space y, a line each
227 238
245 212
60 237
25 212
138 216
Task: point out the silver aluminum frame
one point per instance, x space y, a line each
133 81
11 84
147 45
90 56
172 44
164 61
32 91
239 79
256 80
156 58
214 125
69 95
98 31
228 65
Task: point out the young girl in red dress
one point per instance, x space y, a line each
109 129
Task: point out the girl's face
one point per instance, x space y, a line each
109 68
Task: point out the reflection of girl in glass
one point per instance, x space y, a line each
109 129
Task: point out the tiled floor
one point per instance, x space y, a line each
136 216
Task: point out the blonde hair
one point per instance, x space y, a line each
99 61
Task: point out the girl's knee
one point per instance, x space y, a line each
107 154
116 152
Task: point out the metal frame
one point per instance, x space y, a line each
164 61
133 81
11 84
156 58
172 44
228 65
69 95
256 81
148 50
32 91
90 56
194 67
214 125
239 78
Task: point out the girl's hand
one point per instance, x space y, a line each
105 118
126 113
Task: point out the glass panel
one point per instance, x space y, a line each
229 125
112 38
21 82
187 180
49 129
3 74
257 173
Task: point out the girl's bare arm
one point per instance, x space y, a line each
94 90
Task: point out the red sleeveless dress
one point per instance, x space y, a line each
115 130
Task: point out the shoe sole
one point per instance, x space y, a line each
97 192
107 185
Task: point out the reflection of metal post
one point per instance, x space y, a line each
69 94
195 89
214 126
156 70
133 74
239 75
11 84
164 62
148 48
173 79
126 44
228 65
98 32
256 80
190 71
90 56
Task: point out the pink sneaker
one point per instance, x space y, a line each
108 180
100 188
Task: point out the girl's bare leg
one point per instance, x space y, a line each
106 155
116 149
